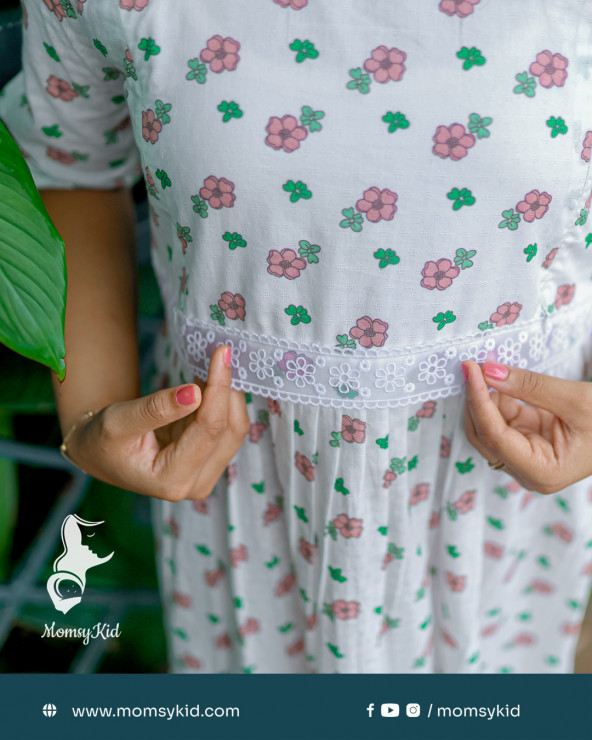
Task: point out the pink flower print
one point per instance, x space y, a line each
438 274
448 639
513 486
294 4
549 68
526 499
274 406
456 583
256 431
489 630
128 56
180 599
218 192
587 570
250 626
419 493
285 585
238 554
386 64
293 361
190 661
80 6
352 430
534 205
285 263
202 506
542 587
452 141
224 641
284 133
345 609
369 332
435 519
213 576
233 305
231 473
306 550
348 527
151 126
174 527
564 533
221 53
305 466
150 179
55 6
525 638
564 295
550 257
427 410
296 647
507 313
133 4
461 8
466 502
493 550
388 478
444 447
60 89
378 204
271 513
59 155
587 146
311 621
571 628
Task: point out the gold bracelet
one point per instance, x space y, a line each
63 446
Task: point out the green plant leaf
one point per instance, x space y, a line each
33 258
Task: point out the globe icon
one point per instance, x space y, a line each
49 710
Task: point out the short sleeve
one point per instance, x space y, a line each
67 107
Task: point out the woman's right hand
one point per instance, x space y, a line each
159 447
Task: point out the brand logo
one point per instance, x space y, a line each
67 583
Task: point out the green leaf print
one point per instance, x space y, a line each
98 45
285 627
51 51
238 603
297 190
386 257
300 513
149 47
398 465
308 251
273 562
200 206
452 551
336 574
582 218
425 624
298 314
396 552
526 85
412 463
162 111
474 658
588 240
234 240
217 314
340 488
164 179
562 503
180 633
118 99
382 530
557 126
331 530
444 318
451 511
420 594
197 71
67 6
465 467
463 258
511 220
230 109
111 73
497 523
336 439
461 198
412 423
259 487
395 121
306 50
531 251
344 341
203 549
310 118
472 57
213 618
82 90
359 81
544 561
478 125
335 650
52 131
304 595
501 491
297 428
352 220
382 442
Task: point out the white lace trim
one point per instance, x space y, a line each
374 378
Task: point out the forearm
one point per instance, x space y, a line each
101 311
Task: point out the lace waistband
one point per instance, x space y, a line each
376 378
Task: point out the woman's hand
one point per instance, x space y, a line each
168 446
545 446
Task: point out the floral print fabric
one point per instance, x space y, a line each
356 202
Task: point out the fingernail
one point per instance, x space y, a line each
495 371
227 354
185 396
465 371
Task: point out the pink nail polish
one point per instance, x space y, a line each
227 355
465 371
185 396
495 371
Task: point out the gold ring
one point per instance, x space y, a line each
499 465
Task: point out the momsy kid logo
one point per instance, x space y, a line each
66 584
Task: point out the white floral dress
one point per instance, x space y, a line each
356 197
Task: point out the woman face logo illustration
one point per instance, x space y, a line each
66 585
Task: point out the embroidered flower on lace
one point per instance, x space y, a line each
523 363
390 377
432 369
344 378
320 361
489 344
410 360
474 352
523 336
560 340
320 389
234 351
365 365
410 387
300 371
196 346
509 352
261 364
364 392
450 352
449 379
242 345
210 336
278 381
278 354
242 373
537 346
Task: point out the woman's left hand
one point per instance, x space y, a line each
545 446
